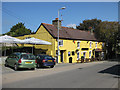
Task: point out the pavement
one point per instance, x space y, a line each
98 74
82 75
2 59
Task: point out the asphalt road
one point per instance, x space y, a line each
87 75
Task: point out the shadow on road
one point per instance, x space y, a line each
115 70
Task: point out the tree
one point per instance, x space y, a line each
18 29
87 24
108 32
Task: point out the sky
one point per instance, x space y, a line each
32 14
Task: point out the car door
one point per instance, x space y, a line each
14 60
9 60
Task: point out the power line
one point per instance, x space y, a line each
15 16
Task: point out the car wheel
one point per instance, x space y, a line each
6 65
33 68
15 67
51 66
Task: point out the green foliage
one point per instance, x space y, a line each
18 29
109 32
87 24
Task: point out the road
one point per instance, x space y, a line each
101 74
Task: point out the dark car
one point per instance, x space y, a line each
21 60
45 60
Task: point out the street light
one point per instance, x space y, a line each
58 32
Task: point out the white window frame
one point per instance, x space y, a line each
96 44
68 53
90 54
78 55
61 41
78 44
90 44
103 45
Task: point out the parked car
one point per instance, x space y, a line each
45 60
21 60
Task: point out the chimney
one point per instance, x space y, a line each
55 23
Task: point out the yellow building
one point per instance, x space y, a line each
73 43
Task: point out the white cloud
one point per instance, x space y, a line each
72 25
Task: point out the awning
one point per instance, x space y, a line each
98 50
36 41
9 39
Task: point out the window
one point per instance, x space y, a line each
96 44
32 57
73 53
57 53
60 42
90 44
69 53
78 44
48 57
89 54
24 56
77 55
103 44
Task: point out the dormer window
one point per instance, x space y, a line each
90 44
95 44
78 44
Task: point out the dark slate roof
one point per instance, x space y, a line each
68 33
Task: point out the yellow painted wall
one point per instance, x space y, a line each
68 45
43 35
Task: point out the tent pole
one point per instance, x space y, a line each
32 48
5 50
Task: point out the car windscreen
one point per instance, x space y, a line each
32 57
26 56
48 57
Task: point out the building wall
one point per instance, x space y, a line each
68 47
43 35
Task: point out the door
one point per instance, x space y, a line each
61 56
9 60
14 60
70 60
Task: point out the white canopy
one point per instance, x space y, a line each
36 41
9 39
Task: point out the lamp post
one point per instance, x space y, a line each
58 33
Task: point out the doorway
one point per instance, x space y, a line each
70 60
61 55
